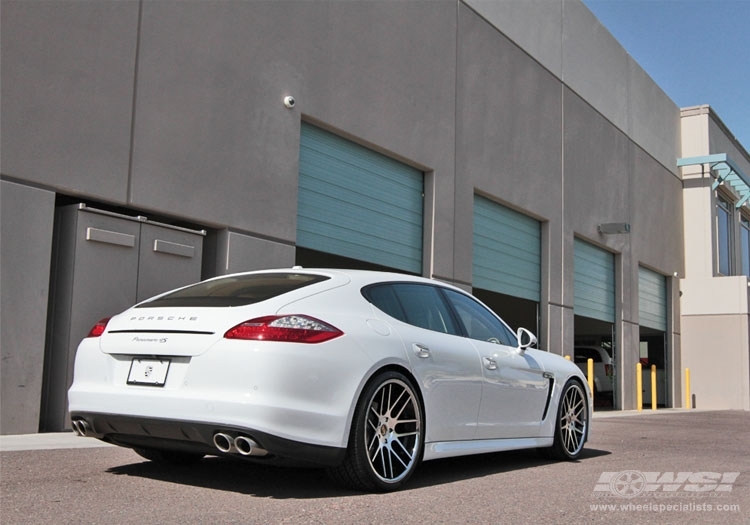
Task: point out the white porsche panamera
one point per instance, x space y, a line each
363 373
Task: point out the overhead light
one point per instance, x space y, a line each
613 228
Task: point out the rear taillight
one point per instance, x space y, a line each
284 328
98 328
608 370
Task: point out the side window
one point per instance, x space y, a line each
479 322
417 304
384 298
724 235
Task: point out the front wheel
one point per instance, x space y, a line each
387 436
571 427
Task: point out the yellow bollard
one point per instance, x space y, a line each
688 400
567 357
638 387
653 387
590 376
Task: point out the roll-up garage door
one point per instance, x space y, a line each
507 251
357 203
652 299
594 282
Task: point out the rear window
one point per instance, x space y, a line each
236 290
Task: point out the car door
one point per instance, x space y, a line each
445 364
515 387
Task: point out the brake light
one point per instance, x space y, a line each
608 371
284 328
98 328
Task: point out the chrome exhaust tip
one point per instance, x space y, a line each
80 427
223 442
248 447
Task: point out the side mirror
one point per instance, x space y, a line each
525 338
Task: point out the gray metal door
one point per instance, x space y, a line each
169 257
95 270
104 263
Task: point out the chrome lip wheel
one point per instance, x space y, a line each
392 431
573 420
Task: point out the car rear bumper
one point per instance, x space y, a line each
270 390
198 437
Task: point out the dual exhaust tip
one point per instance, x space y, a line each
80 427
242 445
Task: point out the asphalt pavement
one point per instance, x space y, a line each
668 466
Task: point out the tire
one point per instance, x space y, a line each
386 438
169 457
572 424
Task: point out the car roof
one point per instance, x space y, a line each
357 277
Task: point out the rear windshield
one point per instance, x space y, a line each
237 290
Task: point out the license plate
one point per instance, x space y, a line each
152 372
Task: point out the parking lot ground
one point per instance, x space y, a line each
670 466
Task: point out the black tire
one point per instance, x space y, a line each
169 457
572 423
386 438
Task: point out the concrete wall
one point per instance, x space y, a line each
716 354
26 222
568 40
715 312
174 109
67 93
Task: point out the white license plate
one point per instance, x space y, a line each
151 372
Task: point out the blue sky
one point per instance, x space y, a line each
698 51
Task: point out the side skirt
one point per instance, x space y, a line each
448 449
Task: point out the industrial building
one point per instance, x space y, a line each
514 149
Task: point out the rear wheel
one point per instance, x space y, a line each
571 427
387 436
171 457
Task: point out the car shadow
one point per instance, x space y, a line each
450 470
306 483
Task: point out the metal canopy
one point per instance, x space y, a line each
726 171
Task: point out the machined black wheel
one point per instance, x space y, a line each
387 436
571 427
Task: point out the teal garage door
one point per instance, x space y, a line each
652 299
594 282
507 251
357 203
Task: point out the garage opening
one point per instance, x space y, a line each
594 321
652 313
515 311
316 259
357 207
507 262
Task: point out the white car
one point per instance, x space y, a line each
364 373
604 370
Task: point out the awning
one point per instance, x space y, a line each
726 172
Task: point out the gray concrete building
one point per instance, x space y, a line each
512 148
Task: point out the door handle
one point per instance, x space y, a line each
421 350
490 364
